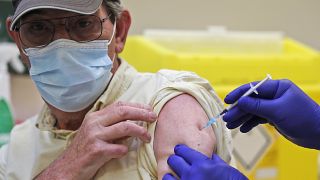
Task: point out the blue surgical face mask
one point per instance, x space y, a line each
69 75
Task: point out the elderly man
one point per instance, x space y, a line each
102 119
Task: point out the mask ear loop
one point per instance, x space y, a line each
114 57
112 60
23 50
113 32
111 39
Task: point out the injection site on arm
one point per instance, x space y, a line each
253 89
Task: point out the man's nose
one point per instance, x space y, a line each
61 32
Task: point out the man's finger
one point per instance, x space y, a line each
110 151
125 129
122 111
136 105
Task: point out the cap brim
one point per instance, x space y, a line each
77 6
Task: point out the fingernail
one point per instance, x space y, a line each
148 138
153 115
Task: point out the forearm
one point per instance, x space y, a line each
65 167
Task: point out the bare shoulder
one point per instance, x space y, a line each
180 122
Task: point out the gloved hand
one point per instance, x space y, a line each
189 164
280 103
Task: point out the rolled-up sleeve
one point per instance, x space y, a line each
3 161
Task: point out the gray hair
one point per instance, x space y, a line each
114 7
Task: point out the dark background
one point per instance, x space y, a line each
5 10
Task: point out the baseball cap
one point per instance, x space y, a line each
21 7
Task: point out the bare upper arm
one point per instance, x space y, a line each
180 122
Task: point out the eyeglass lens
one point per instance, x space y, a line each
82 28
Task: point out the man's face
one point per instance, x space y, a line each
41 27
63 24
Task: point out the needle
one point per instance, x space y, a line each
250 91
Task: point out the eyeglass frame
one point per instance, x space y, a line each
17 28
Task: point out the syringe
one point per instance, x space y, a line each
250 91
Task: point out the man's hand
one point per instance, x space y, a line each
280 103
95 142
189 164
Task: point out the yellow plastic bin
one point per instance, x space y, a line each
226 71
297 62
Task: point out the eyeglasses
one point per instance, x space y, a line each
80 28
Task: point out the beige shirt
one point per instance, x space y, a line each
36 143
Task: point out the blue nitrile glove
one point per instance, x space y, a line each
189 164
280 103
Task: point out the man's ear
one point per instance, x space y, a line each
12 34
15 37
123 26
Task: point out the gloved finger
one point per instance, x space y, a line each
169 176
234 95
178 164
240 121
233 114
265 91
260 107
216 159
188 154
249 125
